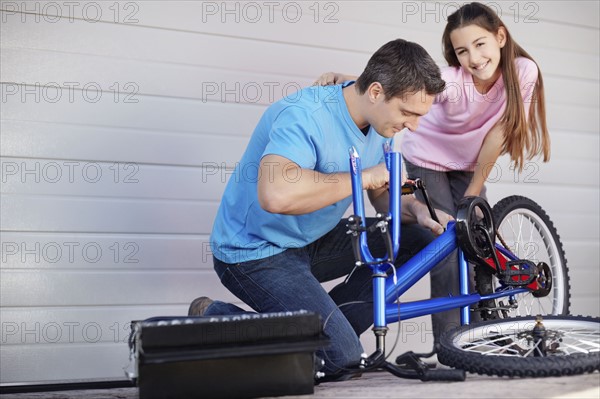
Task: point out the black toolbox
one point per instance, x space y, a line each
237 356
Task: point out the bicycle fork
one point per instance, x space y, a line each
389 227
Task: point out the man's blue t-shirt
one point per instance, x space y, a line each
313 129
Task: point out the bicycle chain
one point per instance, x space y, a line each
504 244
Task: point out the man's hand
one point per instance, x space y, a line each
375 177
415 211
425 220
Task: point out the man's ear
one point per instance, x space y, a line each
501 36
375 90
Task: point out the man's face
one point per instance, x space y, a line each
390 117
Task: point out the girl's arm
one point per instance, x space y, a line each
333 78
488 155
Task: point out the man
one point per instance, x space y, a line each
278 235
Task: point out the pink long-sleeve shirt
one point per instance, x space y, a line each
450 136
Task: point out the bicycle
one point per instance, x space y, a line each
528 280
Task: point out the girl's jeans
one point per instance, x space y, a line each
445 190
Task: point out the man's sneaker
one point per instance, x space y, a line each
199 305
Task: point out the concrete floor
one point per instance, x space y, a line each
383 385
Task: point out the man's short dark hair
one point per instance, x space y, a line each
402 68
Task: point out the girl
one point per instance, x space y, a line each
493 105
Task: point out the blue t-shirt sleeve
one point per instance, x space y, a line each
295 135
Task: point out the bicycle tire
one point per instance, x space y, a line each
495 347
525 215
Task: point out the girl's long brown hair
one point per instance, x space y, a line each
520 136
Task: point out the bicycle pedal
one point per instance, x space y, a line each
412 361
519 273
422 367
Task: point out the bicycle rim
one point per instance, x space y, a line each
506 338
508 347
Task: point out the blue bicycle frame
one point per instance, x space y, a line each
388 288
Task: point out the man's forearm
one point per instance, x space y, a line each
410 208
284 187
380 199
295 191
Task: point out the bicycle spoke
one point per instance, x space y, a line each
529 238
496 342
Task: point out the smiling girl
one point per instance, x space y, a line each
493 105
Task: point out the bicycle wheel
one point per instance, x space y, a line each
530 234
511 347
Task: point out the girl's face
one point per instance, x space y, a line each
478 51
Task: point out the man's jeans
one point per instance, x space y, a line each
291 281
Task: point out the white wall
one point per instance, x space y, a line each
121 122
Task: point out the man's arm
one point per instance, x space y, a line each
413 211
286 188
380 199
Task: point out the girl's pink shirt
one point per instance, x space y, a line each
450 135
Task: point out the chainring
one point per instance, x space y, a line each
475 228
